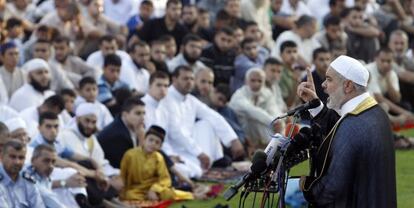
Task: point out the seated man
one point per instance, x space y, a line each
152 181
43 162
80 137
384 85
36 90
120 135
21 189
273 71
109 83
194 131
249 58
254 108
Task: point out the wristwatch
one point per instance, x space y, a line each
62 183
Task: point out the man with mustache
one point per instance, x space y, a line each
36 90
79 136
43 161
355 156
21 189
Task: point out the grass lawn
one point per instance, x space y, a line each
405 183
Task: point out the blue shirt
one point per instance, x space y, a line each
105 89
22 192
133 22
62 150
44 184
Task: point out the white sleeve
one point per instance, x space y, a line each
394 80
221 128
165 118
242 105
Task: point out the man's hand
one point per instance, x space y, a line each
176 159
204 160
152 196
75 181
306 90
102 181
237 150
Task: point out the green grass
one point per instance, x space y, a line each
405 182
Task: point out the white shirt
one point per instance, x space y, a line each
7 113
118 12
137 79
72 138
151 106
318 8
26 96
96 60
178 113
104 116
377 82
301 9
305 46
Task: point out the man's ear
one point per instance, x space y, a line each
348 86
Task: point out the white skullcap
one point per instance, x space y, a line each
86 109
15 123
35 64
351 69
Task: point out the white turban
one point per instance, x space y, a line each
351 69
15 123
84 109
35 64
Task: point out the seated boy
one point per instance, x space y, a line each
145 174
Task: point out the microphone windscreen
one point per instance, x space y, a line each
258 162
314 103
289 126
259 156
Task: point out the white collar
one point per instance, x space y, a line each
151 100
351 104
177 95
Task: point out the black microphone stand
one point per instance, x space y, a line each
282 172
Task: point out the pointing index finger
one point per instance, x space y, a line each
309 76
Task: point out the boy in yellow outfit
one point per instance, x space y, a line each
145 174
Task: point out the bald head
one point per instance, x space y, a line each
204 80
398 42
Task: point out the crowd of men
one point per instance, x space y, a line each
90 77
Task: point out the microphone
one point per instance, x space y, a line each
299 109
256 169
273 148
306 106
300 141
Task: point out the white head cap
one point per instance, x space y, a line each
86 109
35 64
15 123
351 69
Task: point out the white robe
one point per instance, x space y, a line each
7 113
137 79
72 138
255 118
26 96
192 128
151 106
